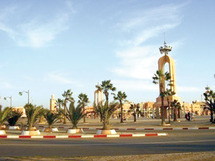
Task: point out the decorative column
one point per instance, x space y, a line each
161 67
98 97
53 102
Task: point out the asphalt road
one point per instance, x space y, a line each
177 141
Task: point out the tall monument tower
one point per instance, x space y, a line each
98 97
161 67
53 107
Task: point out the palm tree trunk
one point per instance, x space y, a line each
84 119
64 119
30 127
175 114
61 120
162 112
211 120
162 105
121 112
106 126
74 126
135 118
169 110
107 99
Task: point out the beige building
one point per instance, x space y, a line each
196 107
90 111
126 111
149 110
20 110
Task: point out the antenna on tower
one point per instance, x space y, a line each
164 36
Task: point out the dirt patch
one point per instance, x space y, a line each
195 156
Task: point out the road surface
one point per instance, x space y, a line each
177 141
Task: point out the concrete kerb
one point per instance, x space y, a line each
150 128
80 136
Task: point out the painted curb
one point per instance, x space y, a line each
80 136
151 128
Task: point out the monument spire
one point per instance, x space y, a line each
165 49
161 67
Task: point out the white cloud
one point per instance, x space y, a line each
135 85
152 32
139 60
188 89
61 79
58 78
151 17
35 32
36 35
146 85
70 6
5 85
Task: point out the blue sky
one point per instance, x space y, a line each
50 46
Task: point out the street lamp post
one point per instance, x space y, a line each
20 93
5 98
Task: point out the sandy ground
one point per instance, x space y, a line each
197 156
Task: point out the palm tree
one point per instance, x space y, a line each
105 111
33 113
210 101
74 114
133 107
161 78
176 105
68 98
83 100
106 86
51 118
121 96
4 116
59 104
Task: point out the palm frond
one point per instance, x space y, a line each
4 115
51 117
14 117
32 112
74 114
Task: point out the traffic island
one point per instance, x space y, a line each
30 133
13 128
106 132
48 129
75 131
2 132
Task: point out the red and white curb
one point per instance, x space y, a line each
158 128
80 136
151 128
